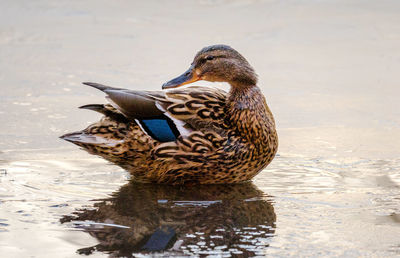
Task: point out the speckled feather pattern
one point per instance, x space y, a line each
233 138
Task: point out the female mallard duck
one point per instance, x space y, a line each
187 135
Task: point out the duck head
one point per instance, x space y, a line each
217 63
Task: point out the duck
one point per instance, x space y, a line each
191 134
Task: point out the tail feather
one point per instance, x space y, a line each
82 138
72 137
108 111
99 86
95 107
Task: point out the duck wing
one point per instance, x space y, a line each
132 104
164 115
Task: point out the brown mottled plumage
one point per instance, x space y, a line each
220 137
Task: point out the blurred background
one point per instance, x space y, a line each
328 69
331 65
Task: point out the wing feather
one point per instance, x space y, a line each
191 109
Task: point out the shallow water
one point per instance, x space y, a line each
328 69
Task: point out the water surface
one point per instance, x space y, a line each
329 71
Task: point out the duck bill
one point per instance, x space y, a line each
187 77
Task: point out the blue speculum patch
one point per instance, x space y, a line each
160 129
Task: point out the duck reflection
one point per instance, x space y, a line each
187 220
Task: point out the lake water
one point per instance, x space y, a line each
329 71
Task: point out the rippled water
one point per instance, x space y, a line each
300 204
329 71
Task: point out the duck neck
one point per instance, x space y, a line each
248 113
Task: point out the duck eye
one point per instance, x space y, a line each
209 57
